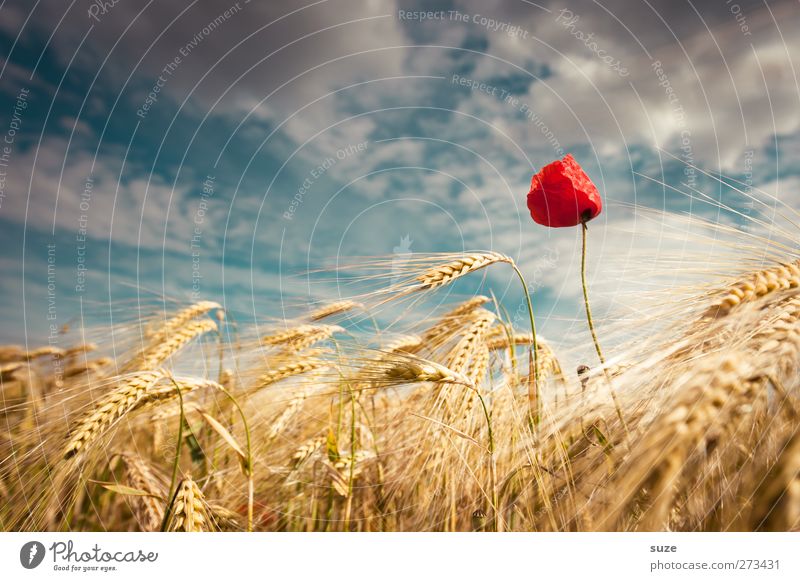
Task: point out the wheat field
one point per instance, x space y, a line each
304 425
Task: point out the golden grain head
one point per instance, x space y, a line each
190 512
175 341
753 286
131 393
449 271
332 309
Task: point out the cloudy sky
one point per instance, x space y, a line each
218 148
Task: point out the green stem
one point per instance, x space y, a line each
176 462
351 477
492 462
221 355
533 394
249 471
584 228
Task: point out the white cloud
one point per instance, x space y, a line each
114 208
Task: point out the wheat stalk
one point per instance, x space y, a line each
287 335
335 308
289 412
478 366
405 344
148 510
753 286
548 362
8 369
79 349
498 339
305 450
46 351
466 307
11 353
450 321
712 395
777 340
286 371
776 502
448 272
190 513
133 391
312 336
458 358
179 319
452 318
412 370
153 356
87 367
223 519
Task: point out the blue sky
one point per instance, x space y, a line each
286 135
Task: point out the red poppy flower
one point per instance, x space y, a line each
563 195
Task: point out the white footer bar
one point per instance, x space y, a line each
387 556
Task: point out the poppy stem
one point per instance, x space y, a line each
584 228
533 390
